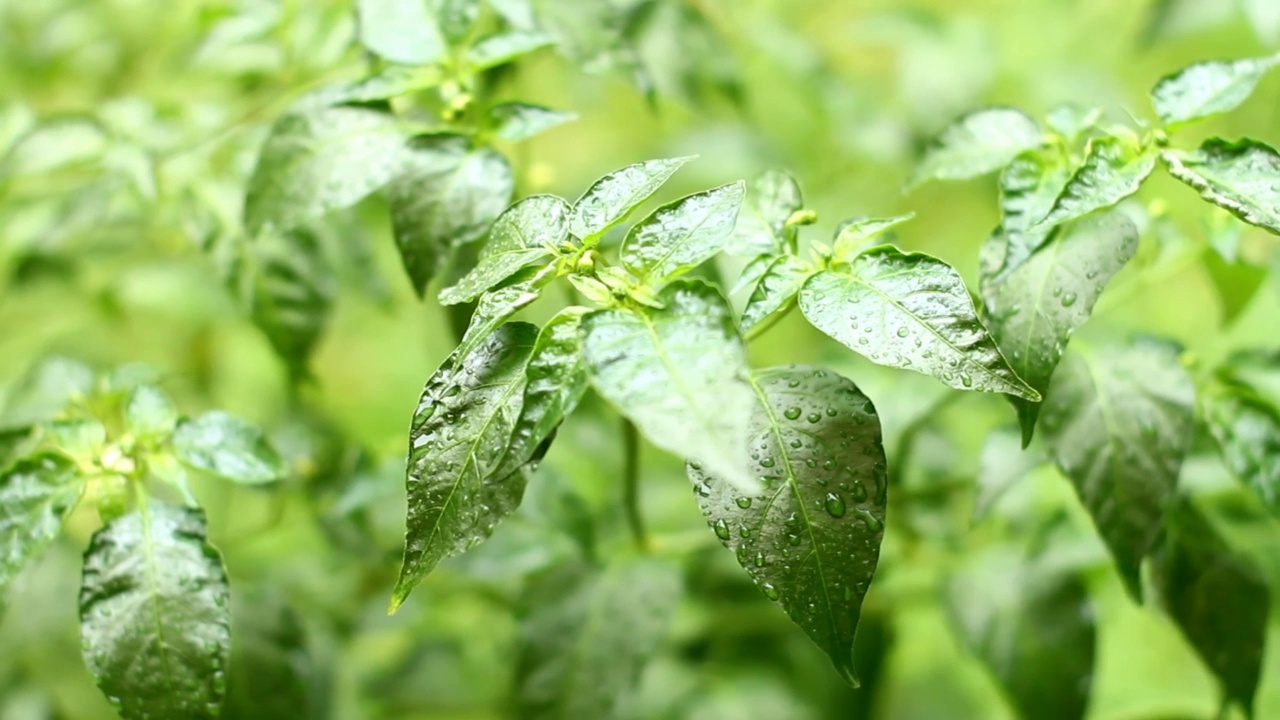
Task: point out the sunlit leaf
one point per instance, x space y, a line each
1239 177
401 31
493 309
1113 170
611 198
775 291
504 47
1207 88
520 121
761 228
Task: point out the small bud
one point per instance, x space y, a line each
802 217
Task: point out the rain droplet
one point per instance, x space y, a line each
770 591
813 417
834 505
792 413
722 529
1068 300
743 502
903 331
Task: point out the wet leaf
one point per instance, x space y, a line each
1113 170
154 617
149 414
774 292
762 223
681 235
495 308
611 198
517 121
504 47
976 144
1247 432
812 540
401 31
1239 177
522 235
1028 188
1207 88
36 495
855 233
911 311
222 444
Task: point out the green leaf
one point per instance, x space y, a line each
517 121
274 673
587 633
44 390
401 31
855 233
1035 308
976 144
36 494
611 198
774 292
504 47
321 160
910 311
149 414
1118 423
448 195
1032 626
811 542
154 618
292 293
523 234
495 308
677 373
556 381
1236 283
1113 170
456 18
1029 186
460 431
1247 432
1217 598
762 225
1207 88
1002 464
1239 177
681 235
222 444
1264 16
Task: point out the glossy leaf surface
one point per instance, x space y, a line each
761 227
36 495
1207 88
611 198
1239 177
679 236
774 292
224 445
521 235
1112 171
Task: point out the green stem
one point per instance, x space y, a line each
631 484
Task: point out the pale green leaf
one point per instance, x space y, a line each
517 121
1113 170
456 18
611 198
978 143
775 291
401 31
222 444
36 494
493 309
1247 432
1002 464
44 390
681 235
1264 16
149 414
525 233
856 232
1207 88
1239 177
504 47
762 225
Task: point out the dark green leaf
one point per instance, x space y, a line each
681 235
224 445
504 47
293 292
525 233
459 434
1118 423
45 390
811 542
321 160
976 144
154 618
762 224
611 198
448 195
775 291
1035 308
1247 431
495 308
1032 626
517 121
1207 88
400 31
36 495
1239 177
1217 598
588 633
149 414
1113 170
911 311
273 673
677 373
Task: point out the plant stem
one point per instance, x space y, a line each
631 484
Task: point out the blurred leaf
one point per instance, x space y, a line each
812 542
1238 177
1035 308
587 633
681 235
55 144
36 495
976 144
1113 170
494 308
456 18
611 199
154 620
1217 598
401 31
775 292
910 311
770 200
855 233
1032 626
1236 283
1207 88
45 390
222 444
1247 432
273 675
460 431
517 121
503 48
677 373
1264 16
1118 423
149 414
1002 463
447 195
525 233
293 290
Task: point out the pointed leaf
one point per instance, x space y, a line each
976 144
1112 171
321 160
681 235
1236 283
448 195
775 291
460 431
811 542
1217 598
1118 423
149 414
521 235
1247 432
504 47
611 198
292 293
36 495
400 31
44 390
677 373
587 634
224 445
762 224
1035 309
1032 626
911 311
154 616
1207 88
1239 177
494 309
517 121
855 233
1029 186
